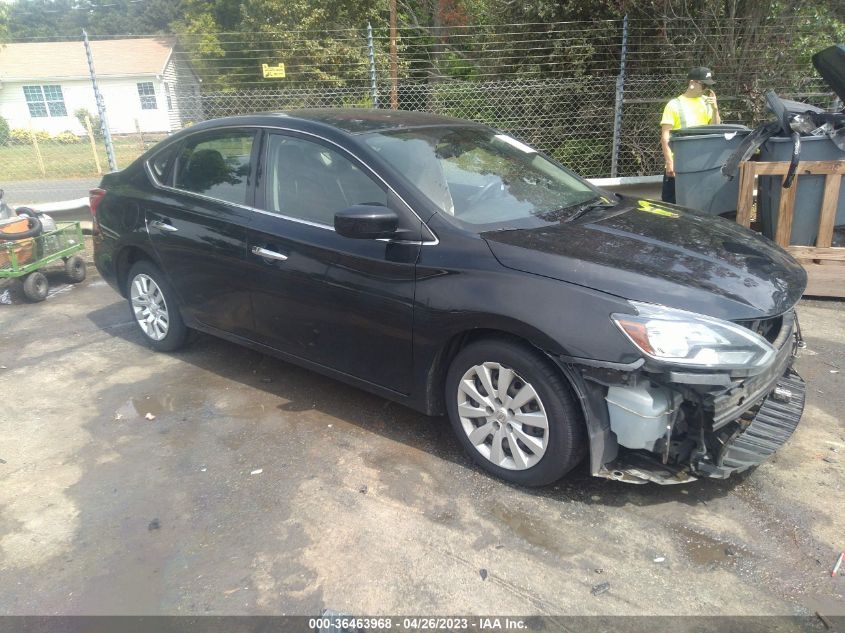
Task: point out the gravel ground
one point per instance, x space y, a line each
221 481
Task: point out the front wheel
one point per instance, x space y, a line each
514 413
36 287
152 302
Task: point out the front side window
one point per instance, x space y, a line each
44 101
311 182
217 166
147 93
482 178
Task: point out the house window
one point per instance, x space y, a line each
148 95
169 98
44 101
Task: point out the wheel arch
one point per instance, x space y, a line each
126 257
436 382
588 396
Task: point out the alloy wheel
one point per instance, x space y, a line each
149 307
503 416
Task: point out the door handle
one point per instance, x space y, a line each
267 254
163 226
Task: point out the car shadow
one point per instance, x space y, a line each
300 390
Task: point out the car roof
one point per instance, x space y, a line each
362 120
348 120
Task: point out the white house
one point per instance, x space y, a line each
141 80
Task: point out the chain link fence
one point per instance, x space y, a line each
588 93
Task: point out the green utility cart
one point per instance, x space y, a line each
26 258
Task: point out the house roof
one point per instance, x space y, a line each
66 60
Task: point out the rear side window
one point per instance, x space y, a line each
216 165
160 164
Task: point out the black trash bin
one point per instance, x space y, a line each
699 153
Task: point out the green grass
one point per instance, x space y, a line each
70 160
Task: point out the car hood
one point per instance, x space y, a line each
660 253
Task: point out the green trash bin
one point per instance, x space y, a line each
808 197
699 153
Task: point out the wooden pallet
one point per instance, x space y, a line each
824 263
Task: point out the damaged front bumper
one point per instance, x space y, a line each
694 424
773 423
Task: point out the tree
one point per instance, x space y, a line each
41 18
432 38
4 23
320 40
129 17
102 18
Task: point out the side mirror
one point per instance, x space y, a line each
366 222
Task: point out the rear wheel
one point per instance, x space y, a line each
152 302
75 269
35 287
514 413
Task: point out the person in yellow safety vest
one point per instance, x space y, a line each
692 108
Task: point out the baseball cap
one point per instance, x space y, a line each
702 74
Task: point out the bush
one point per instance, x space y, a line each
19 135
22 135
4 131
357 101
66 137
588 156
80 115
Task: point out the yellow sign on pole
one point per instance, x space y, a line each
273 72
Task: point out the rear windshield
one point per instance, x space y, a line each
481 178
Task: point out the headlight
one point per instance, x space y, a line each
693 340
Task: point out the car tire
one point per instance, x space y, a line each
543 455
153 307
36 287
75 269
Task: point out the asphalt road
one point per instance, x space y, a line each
31 192
221 481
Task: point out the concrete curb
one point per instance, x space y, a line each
60 207
76 210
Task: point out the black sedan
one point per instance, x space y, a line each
454 269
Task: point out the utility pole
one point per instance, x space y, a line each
620 99
394 60
101 106
371 54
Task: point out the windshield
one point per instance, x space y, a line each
482 178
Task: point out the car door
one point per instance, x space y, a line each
197 223
344 303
